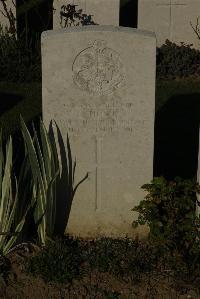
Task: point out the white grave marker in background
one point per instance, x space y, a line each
170 19
171 7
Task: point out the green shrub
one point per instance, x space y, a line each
120 257
18 62
177 61
169 210
58 261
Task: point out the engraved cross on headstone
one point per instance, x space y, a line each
98 173
171 5
99 136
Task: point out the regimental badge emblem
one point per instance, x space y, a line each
98 69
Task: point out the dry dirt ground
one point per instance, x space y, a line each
93 284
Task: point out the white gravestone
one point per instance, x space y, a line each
170 19
104 12
7 8
98 83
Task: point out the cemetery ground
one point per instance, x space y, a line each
102 268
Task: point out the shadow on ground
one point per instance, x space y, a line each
177 137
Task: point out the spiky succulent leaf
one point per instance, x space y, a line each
46 150
8 203
38 180
41 159
53 134
33 158
6 182
70 167
50 205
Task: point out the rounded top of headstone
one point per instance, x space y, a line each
46 34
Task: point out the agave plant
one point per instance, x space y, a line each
8 201
26 193
44 174
45 166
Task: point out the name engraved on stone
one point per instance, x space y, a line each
107 119
98 69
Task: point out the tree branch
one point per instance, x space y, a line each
197 29
2 13
14 3
9 15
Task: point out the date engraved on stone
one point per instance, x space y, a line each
98 69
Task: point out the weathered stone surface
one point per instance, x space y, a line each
103 12
98 83
170 19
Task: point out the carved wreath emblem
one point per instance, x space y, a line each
98 69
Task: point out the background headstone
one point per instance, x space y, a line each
103 12
100 88
170 19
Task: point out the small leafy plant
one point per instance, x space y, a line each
58 261
169 209
63 259
120 257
